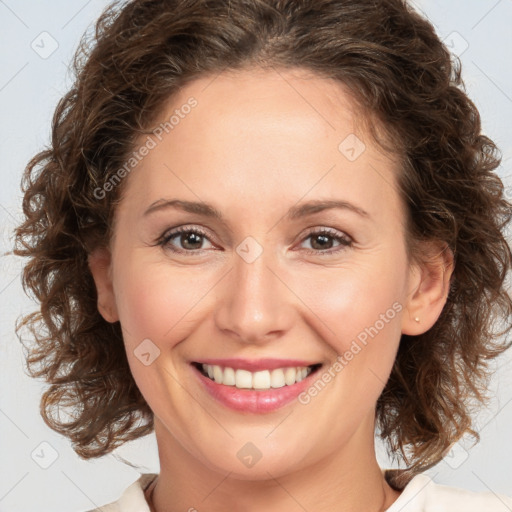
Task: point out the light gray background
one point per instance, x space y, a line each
30 87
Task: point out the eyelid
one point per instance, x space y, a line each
325 229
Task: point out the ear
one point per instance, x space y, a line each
428 287
100 264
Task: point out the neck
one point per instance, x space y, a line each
347 480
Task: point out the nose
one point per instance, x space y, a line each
255 305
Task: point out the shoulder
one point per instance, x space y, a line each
422 494
132 499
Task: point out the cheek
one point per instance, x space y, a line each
358 313
349 301
158 302
158 308
360 319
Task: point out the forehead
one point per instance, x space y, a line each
262 135
288 99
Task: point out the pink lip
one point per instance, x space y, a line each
256 364
250 400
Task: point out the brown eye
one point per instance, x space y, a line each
189 240
322 241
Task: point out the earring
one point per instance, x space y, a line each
417 319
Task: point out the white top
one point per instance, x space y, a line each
421 494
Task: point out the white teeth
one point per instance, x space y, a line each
277 379
290 375
265 379
243 378
261 380
218 374
229 377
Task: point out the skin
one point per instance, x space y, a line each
258 143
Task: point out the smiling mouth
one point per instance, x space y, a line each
260 380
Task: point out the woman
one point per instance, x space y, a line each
264 229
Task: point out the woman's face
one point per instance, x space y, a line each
283 279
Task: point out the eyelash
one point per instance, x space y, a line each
344 240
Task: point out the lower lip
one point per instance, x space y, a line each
250 400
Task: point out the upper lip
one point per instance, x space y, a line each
253 365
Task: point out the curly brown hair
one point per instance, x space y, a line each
399 73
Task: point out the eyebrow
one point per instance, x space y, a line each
295 212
